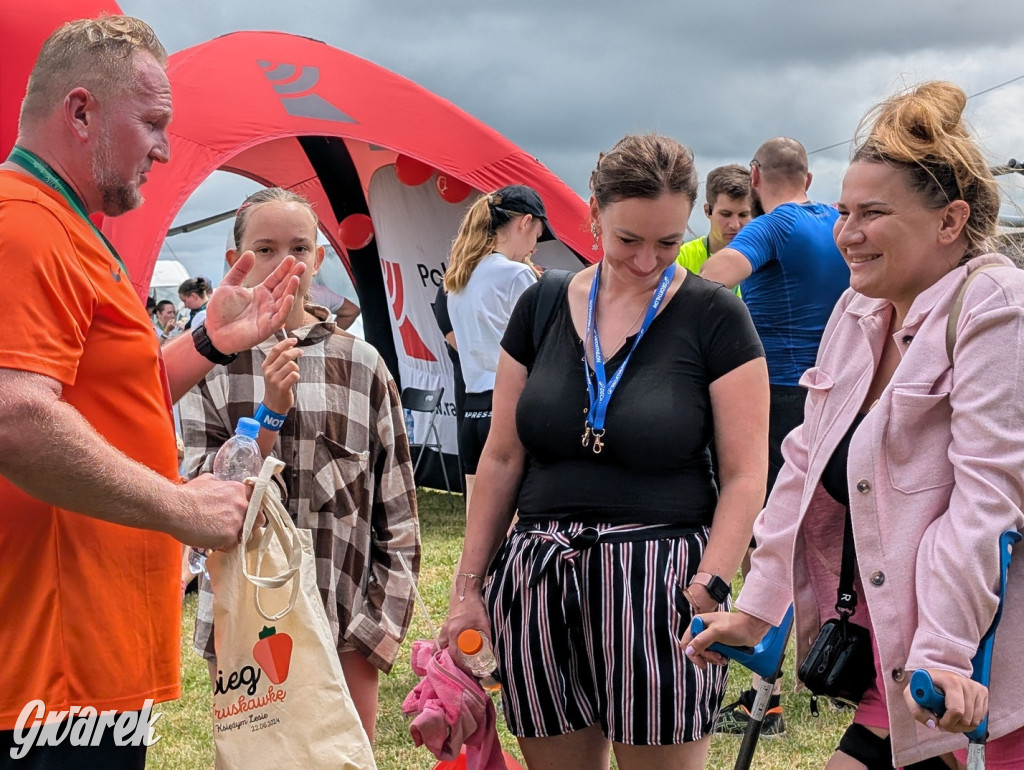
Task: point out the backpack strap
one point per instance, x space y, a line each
552 285
958 306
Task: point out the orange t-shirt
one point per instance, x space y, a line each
91 611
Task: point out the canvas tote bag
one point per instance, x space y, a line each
280 698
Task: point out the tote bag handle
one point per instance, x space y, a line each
281 528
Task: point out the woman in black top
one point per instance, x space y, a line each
622 531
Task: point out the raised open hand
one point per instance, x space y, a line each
239 317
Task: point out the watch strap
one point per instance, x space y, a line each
717 588
206 349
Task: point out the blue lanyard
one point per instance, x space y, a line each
38 168
601 394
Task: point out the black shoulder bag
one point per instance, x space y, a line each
840 663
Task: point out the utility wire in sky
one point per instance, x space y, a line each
980 93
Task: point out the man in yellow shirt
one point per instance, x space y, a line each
728 207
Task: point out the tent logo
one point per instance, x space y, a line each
294 85
414 345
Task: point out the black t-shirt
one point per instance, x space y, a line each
655 466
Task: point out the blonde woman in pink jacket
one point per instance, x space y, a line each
927 457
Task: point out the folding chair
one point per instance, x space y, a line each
426 402
925 693
764 659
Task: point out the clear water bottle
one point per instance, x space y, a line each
409 425
479 658
237 460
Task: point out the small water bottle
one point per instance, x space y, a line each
479 658
237 460
409 425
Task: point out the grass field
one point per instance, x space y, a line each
186 729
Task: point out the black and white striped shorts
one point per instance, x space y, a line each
590 635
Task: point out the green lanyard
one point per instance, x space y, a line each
35 166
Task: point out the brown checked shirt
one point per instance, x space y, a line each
348 478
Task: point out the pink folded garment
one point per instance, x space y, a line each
449 709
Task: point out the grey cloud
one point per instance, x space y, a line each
564 79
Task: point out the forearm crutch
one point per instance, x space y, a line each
764 659
925 693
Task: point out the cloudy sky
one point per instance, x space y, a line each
564 79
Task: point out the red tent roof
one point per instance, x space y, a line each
246 89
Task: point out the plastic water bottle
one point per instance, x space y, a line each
409 425
237 460
479 657
240 457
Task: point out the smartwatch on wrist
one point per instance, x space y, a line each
206 349
717 588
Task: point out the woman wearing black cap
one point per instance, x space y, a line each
488 270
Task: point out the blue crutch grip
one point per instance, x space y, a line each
925 694
763 658
922 688
928 696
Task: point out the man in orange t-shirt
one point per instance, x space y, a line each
92 511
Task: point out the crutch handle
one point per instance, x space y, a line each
925 693
763 658
922 688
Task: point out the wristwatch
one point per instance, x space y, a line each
717 588
206 349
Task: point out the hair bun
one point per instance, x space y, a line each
930 112
947 101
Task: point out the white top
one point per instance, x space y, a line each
480 313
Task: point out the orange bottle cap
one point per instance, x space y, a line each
470 641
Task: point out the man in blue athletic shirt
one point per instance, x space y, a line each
791 275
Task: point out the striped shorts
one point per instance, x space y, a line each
587 632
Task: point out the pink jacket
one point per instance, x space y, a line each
936 474
449 709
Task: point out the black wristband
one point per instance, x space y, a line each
206 349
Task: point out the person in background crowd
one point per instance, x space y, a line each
166 325
329 409
195 294
600 440
728 208
916 443
792 275
488 270
94 513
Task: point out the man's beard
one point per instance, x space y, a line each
116 195
756 207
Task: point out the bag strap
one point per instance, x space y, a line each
958 306
552 284
280 527
419 599
846 596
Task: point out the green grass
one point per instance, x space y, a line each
186 729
